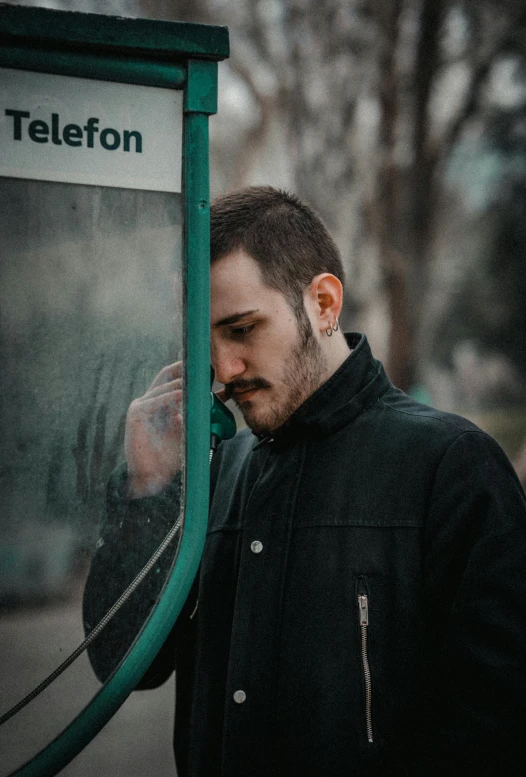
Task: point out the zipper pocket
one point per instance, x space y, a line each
363 611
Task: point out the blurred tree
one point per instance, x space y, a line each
421 67
371 98
487 315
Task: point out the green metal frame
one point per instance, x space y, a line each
180 56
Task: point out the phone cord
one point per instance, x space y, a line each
94 633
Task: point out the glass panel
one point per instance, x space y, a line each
91 309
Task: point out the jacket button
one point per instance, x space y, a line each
239 697
256 546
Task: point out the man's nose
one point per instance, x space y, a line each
227 364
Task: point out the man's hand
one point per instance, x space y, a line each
152 441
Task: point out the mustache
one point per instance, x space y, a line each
244 385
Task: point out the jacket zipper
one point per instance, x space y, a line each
363 609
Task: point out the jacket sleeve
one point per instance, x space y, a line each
475 621
131 532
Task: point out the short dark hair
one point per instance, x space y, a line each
284 235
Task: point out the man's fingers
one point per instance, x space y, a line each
165 388
167 374
169 401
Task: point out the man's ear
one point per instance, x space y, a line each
326 297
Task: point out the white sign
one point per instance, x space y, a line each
78 130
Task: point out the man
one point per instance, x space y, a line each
361 598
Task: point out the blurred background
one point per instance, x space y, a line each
403 122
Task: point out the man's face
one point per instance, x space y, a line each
269 361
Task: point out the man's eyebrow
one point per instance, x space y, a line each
235 317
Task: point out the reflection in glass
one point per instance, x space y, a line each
91 309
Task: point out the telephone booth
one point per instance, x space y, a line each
104 244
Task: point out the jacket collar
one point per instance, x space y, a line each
355 385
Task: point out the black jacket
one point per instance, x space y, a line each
377 626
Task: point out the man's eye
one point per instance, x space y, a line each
242 331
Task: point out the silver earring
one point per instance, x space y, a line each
336 326
329 331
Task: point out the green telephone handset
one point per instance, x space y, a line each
222 422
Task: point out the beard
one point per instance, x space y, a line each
304 372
